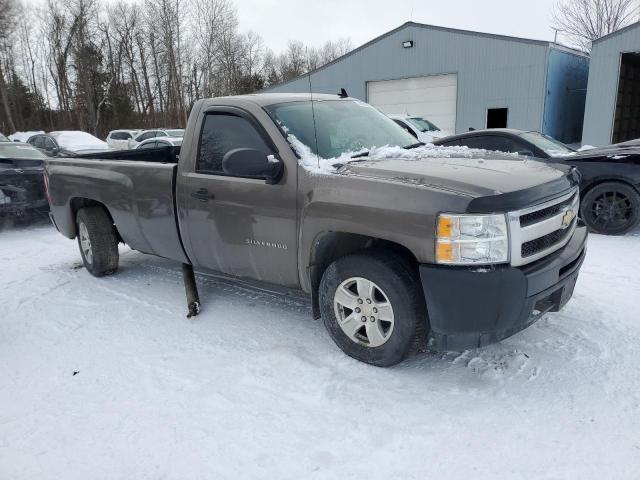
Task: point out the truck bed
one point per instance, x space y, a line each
138 194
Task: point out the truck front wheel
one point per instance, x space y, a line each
373 307
97 241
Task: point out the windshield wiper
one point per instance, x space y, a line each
414 145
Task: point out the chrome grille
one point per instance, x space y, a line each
537 231
534 246
539 215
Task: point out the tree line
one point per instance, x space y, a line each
81 64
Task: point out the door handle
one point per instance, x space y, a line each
202 195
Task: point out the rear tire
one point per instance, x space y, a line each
611 208
395 321
97 241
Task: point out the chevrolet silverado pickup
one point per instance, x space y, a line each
400 246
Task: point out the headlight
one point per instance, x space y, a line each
472 239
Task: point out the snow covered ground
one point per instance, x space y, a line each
107 379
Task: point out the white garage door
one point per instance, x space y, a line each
433 97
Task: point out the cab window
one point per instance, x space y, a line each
222 133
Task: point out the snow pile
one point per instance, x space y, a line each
584 148
76 141
24 136
323 166
106 378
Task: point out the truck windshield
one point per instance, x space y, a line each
341 126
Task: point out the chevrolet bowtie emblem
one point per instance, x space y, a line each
567 218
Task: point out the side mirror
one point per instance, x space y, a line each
247 162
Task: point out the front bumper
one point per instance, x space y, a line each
473 307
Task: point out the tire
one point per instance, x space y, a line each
394 280
97 241
611 208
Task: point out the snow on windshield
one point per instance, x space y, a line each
323 166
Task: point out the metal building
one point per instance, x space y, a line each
461 80
613 97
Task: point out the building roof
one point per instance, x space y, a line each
542 43
618 32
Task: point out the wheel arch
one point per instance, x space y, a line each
76 203
594 182
329 246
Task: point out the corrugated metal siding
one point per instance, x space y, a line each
603 84
492 72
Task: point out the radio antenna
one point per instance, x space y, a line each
313 110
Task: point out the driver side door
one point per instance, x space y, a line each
239 226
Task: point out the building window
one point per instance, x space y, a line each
497 117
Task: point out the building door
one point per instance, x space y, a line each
497 117
433 97
626 125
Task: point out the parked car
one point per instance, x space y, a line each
421 128
158 132
119 139
68 143
3 138
159 142
21 179
610 185
366 237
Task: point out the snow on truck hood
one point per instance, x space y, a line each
468 171
472 176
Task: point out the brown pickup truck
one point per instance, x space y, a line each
400 248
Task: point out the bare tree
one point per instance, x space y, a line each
7 12
97 65
583 21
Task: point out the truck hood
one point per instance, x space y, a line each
473 176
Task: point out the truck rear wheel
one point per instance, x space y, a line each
373 307
97 241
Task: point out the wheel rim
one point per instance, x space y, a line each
85 244
364 312
611 211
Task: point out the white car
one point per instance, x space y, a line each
154 133
119 139
421 128
158 142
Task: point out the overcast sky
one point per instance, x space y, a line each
317 21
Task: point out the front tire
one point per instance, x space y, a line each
373 307
98 241
611 208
